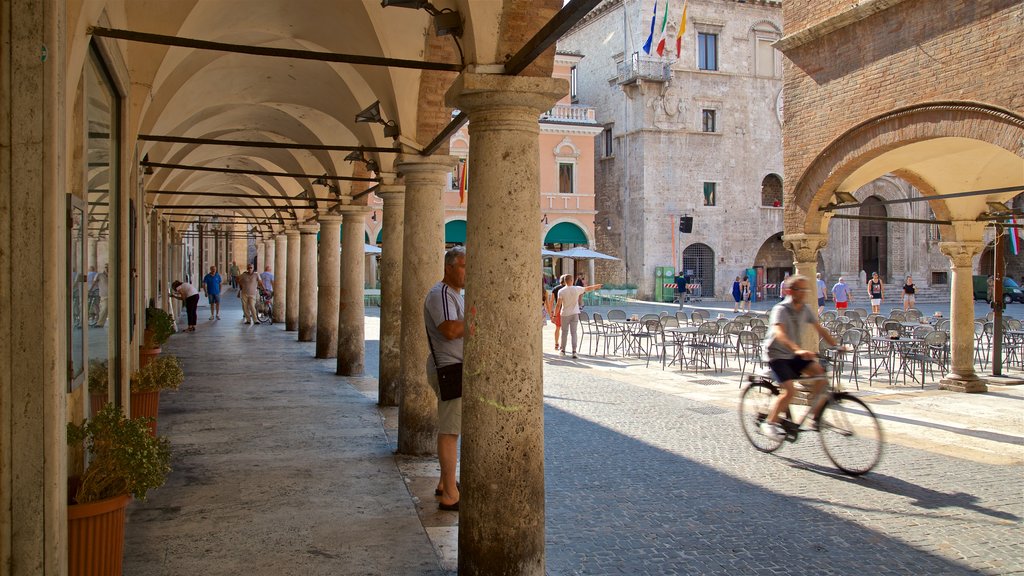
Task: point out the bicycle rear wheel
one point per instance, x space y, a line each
850 434
755 401
264 313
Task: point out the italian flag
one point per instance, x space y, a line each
664 27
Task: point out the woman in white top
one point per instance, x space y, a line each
188 294
568 308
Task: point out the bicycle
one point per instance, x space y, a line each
93 307
265 308
850 433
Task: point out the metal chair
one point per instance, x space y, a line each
748 346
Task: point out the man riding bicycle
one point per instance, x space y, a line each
788 359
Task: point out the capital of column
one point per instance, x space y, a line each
353 210
392 194
961 254
805 247
328 219
473 93
416 168
291 231
309 228
268 237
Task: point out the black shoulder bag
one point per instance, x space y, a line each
449 378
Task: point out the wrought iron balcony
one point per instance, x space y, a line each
639 69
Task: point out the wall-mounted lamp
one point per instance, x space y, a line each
608 224
544 220
446 21
374 216
842 198
147 170
372 114
358 156
332 187
997 207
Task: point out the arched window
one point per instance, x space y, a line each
771 190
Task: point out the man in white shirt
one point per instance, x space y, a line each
568 307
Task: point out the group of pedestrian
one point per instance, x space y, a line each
843 296
564 304
741 294
248 283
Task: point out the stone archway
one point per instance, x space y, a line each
773 263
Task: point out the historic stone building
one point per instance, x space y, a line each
696 135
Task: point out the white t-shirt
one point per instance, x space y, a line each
186 290
569 296
443 304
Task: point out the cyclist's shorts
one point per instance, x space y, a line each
214 298
787 369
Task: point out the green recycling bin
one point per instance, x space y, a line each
664 283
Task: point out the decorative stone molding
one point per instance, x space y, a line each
961 254
805 247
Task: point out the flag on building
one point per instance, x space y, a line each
650 37
463 169
679 35
1013 236
664 29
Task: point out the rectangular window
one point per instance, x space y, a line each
573 94
565 178
765 58
940 278
710 190
707 51
708 121
609 143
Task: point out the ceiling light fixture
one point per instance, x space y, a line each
446 21
372 114
358 156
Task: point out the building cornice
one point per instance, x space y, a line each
857 12
570 129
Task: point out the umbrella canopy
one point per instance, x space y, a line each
545 252
368 249
580 253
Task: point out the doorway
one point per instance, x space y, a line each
874 238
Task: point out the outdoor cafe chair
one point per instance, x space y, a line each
929 354
616 315
749 352
682 317
913 315
898 316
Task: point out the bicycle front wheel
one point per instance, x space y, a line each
755 401
263 313
850 434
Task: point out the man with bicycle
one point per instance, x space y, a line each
788 359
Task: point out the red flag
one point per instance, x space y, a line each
463 173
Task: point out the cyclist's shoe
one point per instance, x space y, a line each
812 425
773 431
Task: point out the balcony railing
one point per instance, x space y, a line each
643 69
570 113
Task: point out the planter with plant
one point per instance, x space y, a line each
98 376
162 373
159 327
126 461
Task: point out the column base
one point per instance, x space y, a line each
970 384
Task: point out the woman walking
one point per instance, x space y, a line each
909 292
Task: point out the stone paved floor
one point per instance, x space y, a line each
283 468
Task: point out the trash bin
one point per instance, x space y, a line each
664 283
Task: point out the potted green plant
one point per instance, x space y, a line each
126 461
98 376
162 373
159 327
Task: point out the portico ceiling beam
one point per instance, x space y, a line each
224 194
991 220
234 206
255 172
926 198
565 19
222 216
254 144
165 40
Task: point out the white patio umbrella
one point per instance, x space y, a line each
580 253
545 252
368 249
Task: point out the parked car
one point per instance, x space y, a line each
1012 292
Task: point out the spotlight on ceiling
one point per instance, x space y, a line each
446 21
372 114
997 207
358 156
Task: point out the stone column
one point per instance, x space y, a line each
371 270
962 377
280 276
351 310
328 278
422 267
291 317
165 266
270 251
390 365
805 248
307 282
501 522
153 269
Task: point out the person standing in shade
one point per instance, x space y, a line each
842 296
211 285
444 313
821 288
909 293
568 308
233 272
267 280
188 294
876 292
248 287
101 284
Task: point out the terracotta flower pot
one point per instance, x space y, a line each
96 537
146 404
96 401
146 355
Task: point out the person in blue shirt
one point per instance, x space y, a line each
842 296
211 285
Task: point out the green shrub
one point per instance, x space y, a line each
162 373
160 324
97 377
126 459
